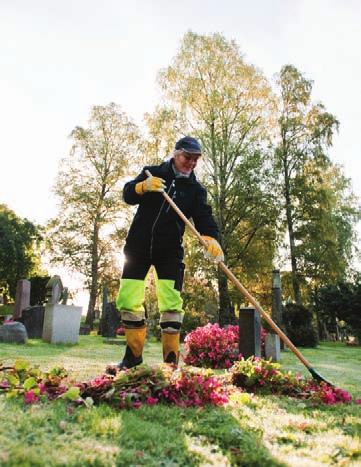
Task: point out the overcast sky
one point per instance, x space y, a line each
60 58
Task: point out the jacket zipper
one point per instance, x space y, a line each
156 219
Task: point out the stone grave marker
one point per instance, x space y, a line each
22 297
61 321
54 289
13 333
110 321
272 347
33 320
249 332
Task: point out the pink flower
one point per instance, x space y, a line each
151 401
31 397
42 388
358 401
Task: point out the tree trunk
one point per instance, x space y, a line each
93 293
291 234
226 311
295 280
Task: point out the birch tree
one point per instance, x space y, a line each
319 209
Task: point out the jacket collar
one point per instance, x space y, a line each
168 168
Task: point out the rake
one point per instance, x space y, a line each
249 297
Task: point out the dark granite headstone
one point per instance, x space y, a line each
33 320
249 332
110 321
13 333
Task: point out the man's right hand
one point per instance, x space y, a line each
150 184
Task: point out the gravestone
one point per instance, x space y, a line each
13 333
277 300
249 332
54 289
33 320
22 297
110 321
272 347
61 323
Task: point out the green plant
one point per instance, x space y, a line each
264 377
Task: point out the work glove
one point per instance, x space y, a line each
213 251
150 184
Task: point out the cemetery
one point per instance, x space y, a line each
59 342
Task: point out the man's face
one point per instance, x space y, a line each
185 162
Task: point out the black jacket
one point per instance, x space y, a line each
157 230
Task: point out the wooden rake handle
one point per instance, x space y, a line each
231 276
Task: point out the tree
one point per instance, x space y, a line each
19 256
227 104
298 323
305 134
340 302
86 234
326 227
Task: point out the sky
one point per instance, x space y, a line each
60 58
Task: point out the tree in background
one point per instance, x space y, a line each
227 104
299 326
86 235
326 229
317 217
341 302
19 254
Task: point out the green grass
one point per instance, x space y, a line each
251 431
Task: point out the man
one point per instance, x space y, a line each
155 239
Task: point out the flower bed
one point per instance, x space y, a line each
186 387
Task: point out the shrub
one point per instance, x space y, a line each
297 321
212 347
38 291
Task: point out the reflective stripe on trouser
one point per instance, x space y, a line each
169 274
130 299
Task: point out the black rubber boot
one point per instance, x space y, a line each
129 361
135 343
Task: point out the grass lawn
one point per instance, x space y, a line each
250 431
